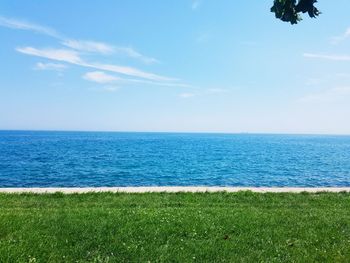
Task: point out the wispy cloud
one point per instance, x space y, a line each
195 4
327 57
105 49
330 95
104 78
89 46
338 39
79 45
73 57
65 55
23 25
50 66
100 77
128 71
130 52
74 51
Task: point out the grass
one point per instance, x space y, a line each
182 227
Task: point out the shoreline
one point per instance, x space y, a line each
172 189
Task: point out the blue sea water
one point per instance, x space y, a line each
67 159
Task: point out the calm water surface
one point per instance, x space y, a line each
43 159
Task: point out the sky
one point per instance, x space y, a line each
173 66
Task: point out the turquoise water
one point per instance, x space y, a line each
43 159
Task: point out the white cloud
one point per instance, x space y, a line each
65 55
130 52
195 4
71 56
100 77
327 57
80 45
103 78
89 46
129 71
23 25
186 95
50 66
103 48
330 95
345 35
75 49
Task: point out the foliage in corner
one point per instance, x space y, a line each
288 10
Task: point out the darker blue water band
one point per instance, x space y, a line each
78 159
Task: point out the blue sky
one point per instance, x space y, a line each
163 65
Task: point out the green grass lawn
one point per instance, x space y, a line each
183 227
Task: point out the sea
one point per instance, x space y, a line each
93 159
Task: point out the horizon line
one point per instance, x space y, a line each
177 132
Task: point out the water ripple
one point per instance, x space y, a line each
44 159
